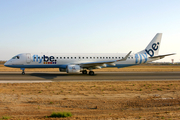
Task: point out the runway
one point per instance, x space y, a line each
99 76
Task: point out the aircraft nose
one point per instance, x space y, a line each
6 64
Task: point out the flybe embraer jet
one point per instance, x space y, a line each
76 63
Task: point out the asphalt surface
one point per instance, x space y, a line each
99 76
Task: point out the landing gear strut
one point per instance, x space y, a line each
84 72
23 72
91 72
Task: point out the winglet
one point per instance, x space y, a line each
125 58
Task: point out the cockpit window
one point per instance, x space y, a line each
16 57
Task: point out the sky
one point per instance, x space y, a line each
88 26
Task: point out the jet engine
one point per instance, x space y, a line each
73 69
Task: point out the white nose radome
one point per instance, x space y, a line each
7 63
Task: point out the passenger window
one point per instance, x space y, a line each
116 57
67 57
71 57
106 57
119 57
86 57
38 57
90 57
79 57
56 57
97 57
103 57
64 57
112 57
74 57
109 57
132 57
94 57
82 57
60 57
100 57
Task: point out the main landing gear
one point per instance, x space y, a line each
90 72
84 72
23 71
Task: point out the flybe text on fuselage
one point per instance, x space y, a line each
154 48
45 59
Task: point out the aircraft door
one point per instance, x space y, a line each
28 58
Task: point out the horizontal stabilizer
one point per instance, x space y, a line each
162 56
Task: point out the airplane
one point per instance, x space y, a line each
83 62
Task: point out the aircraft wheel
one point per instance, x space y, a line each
91 72
23 73
84 72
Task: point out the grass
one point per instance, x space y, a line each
159 89
61 114
120 98
51 102
5 117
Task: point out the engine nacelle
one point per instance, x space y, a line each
73 69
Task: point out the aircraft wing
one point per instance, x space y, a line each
162 56
100 63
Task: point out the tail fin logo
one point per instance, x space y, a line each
155 47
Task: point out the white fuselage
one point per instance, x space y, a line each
80 62
27 60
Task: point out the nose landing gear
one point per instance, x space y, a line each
23 71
